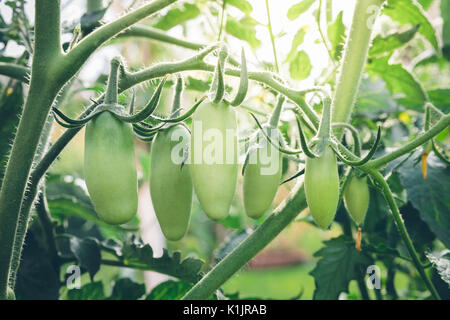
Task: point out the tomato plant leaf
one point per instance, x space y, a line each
242 5
90 291
126 289
37 277
402 84
178 16
243 29
296 42
410 12
134 251
336 35
87 252
381 45
429 196
297 9
440 98
339 263
374 97
169 290
441 263
300 67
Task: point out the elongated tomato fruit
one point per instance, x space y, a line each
110 168
261 179
214 158
170 182
322 187
356 198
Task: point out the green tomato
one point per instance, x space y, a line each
170 183
110 168
322 187
10 295
356 198
214 158
261 179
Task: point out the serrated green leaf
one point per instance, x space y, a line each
296 42
429 196
243 29
242 5
297 9
90 291
178 16
126 289
409 12
336 35
339 263
381 45
136 253
169 290
300 67
402 85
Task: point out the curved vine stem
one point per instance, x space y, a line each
248 248
403 232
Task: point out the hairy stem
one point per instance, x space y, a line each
40 97
403 232
355 56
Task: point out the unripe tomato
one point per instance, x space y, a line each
110 168
356 198
261 179
322 187
214 157
170 182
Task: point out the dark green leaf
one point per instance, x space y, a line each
37 278
178 16
406 90
125 289
169 290
87 252
440 98
135 252
339 263
297 9
90 291
300 67
429 196
406 12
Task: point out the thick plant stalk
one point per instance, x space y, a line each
42 92
355 56
50 71
248 248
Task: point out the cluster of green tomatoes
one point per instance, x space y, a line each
110 165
